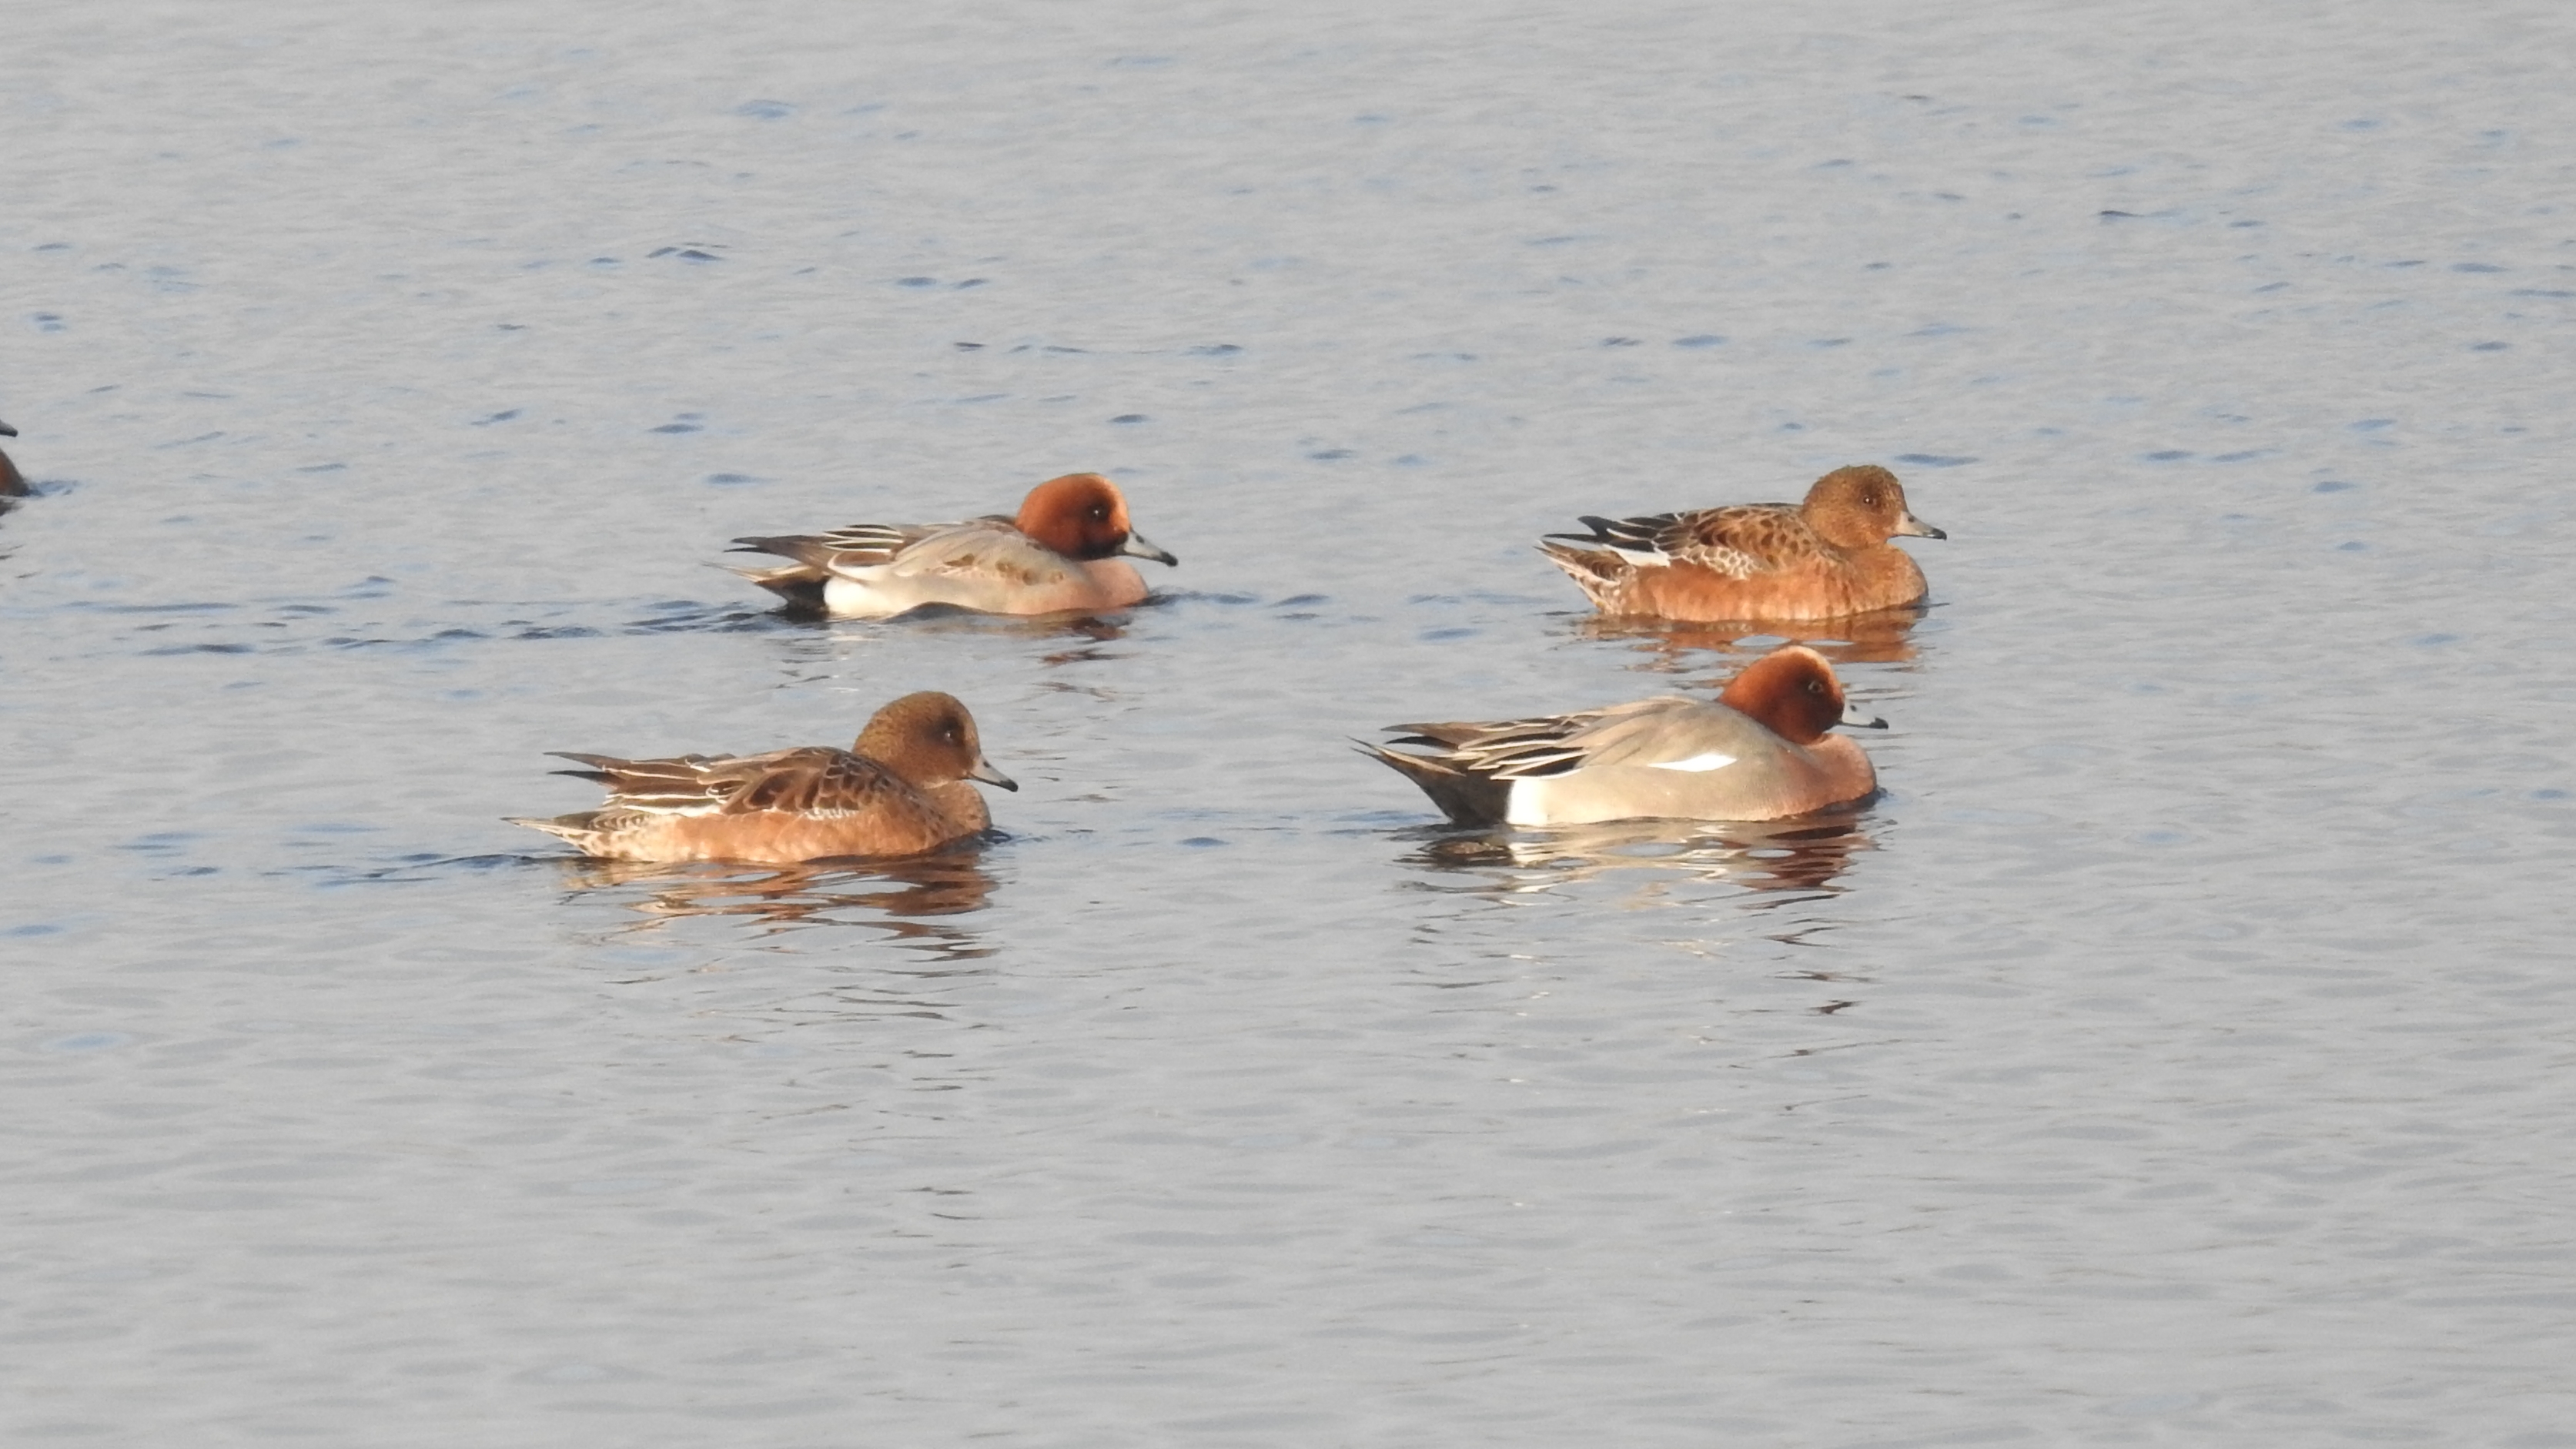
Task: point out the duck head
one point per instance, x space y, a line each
1792 692
1862 507
929 739
1082 516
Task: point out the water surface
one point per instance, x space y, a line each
2174 1053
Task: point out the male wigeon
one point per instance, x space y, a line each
1820 559
1060 553
900 790
1761 752
13 484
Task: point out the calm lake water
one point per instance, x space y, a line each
2176 1053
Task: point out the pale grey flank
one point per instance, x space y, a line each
2177 1054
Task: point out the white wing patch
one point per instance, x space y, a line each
1699 763
1645 553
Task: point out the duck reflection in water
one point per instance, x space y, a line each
904 898
1804 854
1882 637
1081 634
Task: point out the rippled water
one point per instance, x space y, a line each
2175 1053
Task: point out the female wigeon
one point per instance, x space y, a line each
1820 559
13 484
1761 752
1059 554
900 790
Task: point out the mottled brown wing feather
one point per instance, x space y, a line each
1740 541
795 782
809 779
817 780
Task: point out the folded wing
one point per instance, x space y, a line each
1736 542
812 780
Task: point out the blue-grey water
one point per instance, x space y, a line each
2177 1052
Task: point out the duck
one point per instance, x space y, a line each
1821 559
1064 551
13 484
901 789
1762 751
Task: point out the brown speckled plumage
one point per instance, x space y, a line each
1820 559
899 790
